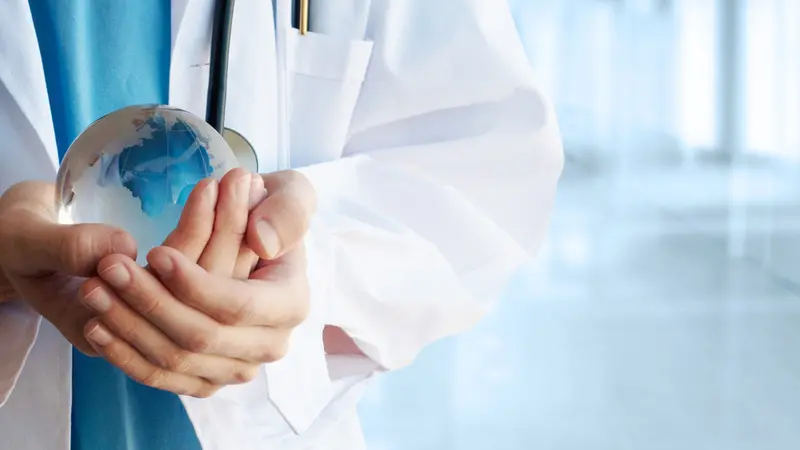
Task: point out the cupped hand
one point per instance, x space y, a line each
207 312
45 263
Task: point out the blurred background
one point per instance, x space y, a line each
664 310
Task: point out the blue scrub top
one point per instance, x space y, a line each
100 56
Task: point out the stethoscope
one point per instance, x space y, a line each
218 75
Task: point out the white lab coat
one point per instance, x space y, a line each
435 159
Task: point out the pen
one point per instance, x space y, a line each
303 25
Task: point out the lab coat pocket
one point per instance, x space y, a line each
325 75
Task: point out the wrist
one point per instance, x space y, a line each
338 342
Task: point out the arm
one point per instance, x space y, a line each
37 257
446 189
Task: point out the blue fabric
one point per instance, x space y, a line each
100 56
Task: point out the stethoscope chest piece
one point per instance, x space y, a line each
242 149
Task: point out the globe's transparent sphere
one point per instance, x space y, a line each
135 168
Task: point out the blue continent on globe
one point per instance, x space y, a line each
164 167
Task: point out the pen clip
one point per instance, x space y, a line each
304 17
300 15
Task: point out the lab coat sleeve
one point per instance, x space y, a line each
24 119
447 184
24 159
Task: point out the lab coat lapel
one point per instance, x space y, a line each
22 74
191 40
178 13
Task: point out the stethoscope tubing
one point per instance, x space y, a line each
218 68
218 73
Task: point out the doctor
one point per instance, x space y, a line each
419 125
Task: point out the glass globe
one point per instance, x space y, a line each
134 169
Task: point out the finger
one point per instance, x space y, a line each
189 328
146 295
247 259
154 345
132 363
197 221
185 325
276 302
280 222
230 223
258 192
245 263
264 344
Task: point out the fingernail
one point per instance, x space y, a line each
116 275
243 188
162 264
98 300
269 238
99 335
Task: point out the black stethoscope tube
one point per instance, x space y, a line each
218 70
220 49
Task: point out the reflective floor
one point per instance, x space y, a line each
664 313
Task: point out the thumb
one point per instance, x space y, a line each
42 246
281 220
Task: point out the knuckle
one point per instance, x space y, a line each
125 362
241 314
125 327
177 361
197 343
301 307
274 352
149 304
280 350
81 245
154 378
129 331
245 374
201 341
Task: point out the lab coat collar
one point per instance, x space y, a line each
191 44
